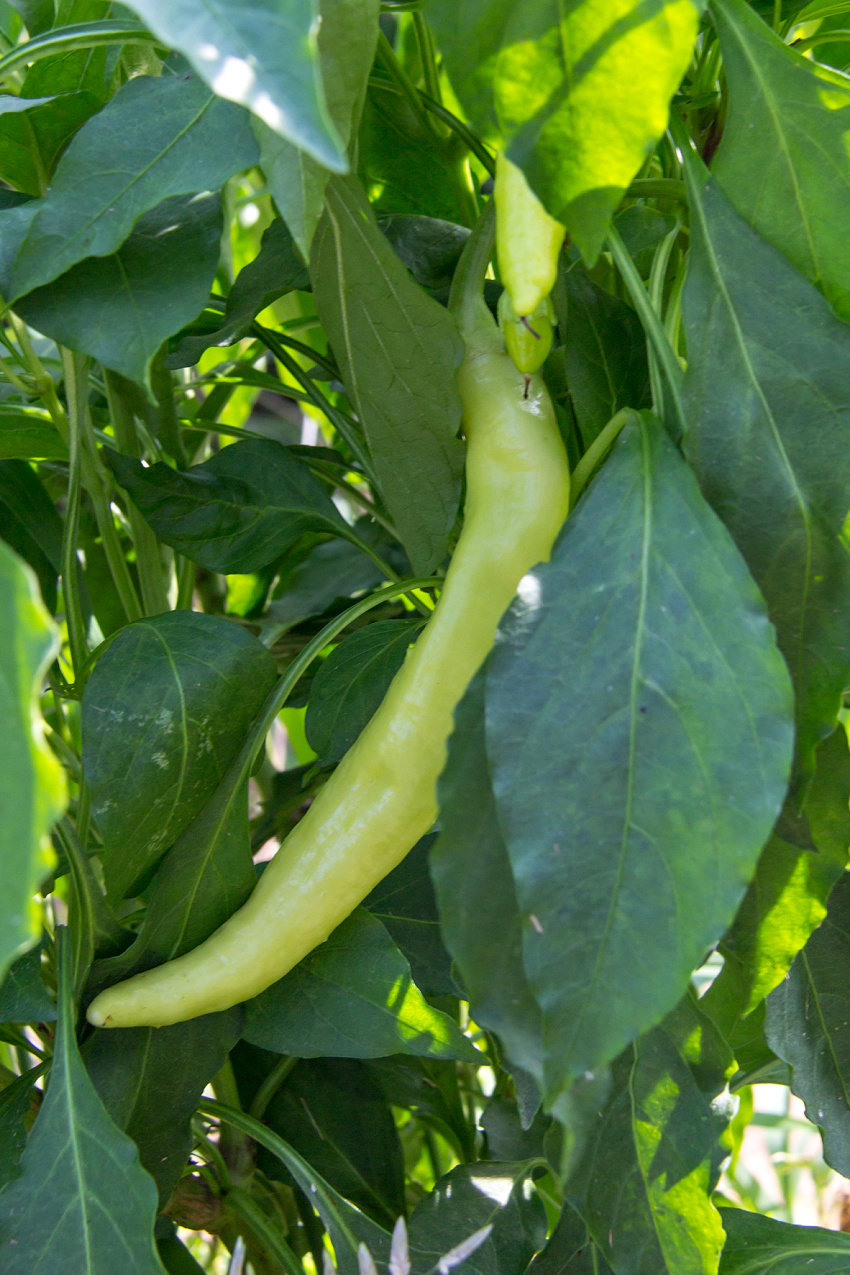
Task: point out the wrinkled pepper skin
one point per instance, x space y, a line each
528 240
382 797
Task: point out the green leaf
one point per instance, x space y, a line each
23 996
264 55
476 894
83 1201
32 783
333 1113
120 308
570 1250
275 270
164 714
398 351
783 158
150 1080
639 731
429 246
604 352
808 1026
351 683
348 35
768 364
469 1198
236 512
645 1179
758 1245
581 92
30 524
173 1253
15 1104
34 134
157 137
353 997
29 434
331 572
405 903
38 15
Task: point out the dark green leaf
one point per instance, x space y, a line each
158 137
38 15
23 996
275 270
263 55
173 1253
604 352
639 730
32 784
768 364
347 37
29 434
351 683
570 1250
150 1080
758 1245
644 1182
331 572
476 894
15 1104
236 512
32 141
398 351
120 308
164 713
428 246
787 122
353 997
506 1137
83 1203
404 901
808 1026
30 524
431 1090
333 1113
466 1200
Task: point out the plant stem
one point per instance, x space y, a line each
595 453
270 1086
655 333
246 1207
75 371
148 560
466 135
466 300
386 54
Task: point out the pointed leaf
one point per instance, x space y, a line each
787 123
32 783
353 997
164 714
639 730
768 364
263 55
236 512
157 137
757 1245
83 1202
398 351
120 308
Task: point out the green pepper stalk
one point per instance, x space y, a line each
382 797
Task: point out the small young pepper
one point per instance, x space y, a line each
382 797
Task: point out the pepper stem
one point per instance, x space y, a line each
466 300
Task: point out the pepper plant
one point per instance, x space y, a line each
246 262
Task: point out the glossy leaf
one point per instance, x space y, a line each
645 1180
150 1080
398 351
768 364
347 37
429 246
275 270
479 913
351 683
155 139
405 904
638 665
120 308
236 512
264 55
331 572
604 352
581 94
465 1201
758 1245
164 714
353 997
32 784
783 158
808 1026
83 1201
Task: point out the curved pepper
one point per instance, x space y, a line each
528 240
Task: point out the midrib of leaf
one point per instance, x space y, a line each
62 1076
776 118
137 177
633 705
825 1031
256 510
212 844
184 729
347 1161
796 492
633 1123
